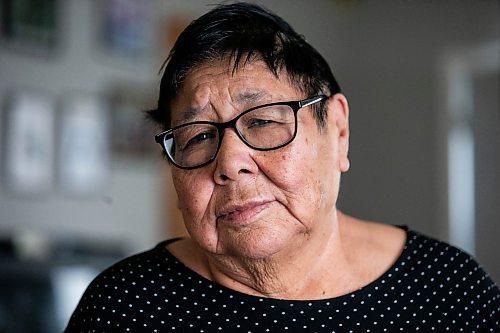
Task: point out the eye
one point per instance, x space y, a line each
255 122
267 117
199 139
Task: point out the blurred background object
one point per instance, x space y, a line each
31 24
29 142
83 183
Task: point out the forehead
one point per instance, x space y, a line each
214 89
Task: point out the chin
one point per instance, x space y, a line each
258 244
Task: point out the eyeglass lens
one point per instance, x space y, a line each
264 128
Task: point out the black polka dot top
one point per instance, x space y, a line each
433 287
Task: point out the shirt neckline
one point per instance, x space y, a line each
376 286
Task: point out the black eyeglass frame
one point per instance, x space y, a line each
294 105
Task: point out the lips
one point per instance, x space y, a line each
241 214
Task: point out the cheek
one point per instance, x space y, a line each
305 177
195 192
193 196
296 174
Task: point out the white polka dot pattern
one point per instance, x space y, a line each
433 287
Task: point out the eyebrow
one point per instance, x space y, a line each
251 97
188 115
246 98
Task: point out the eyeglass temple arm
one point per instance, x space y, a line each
310 101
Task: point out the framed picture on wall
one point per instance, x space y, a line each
132 135
83 163
29 136
125 26
30 24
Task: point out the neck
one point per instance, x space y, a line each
306 270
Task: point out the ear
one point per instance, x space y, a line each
338 109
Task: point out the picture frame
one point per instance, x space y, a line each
29 140
84 161
31 25
132 134
125 27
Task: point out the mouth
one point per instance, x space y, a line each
242 214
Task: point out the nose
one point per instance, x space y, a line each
234 159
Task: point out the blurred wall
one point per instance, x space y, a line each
385 55
126 208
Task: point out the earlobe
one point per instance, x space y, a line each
340 115
344 165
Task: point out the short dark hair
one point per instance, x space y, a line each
243 32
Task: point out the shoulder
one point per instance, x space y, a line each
447 274
434 253
119 287
433 279
147 263
442 260
400 245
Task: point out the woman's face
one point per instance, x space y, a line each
250 203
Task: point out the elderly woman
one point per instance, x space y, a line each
256 131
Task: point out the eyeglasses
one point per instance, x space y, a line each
265 127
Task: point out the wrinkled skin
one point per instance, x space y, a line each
282 197
265 222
